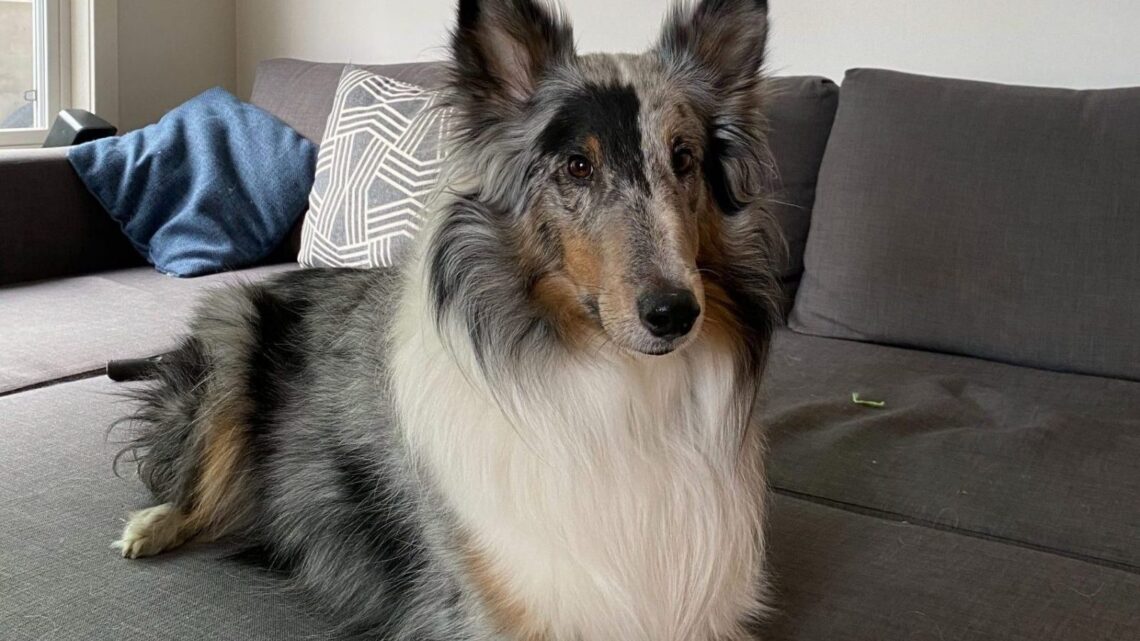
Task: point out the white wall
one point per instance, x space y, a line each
170 51
1065 43
1047 42
363 31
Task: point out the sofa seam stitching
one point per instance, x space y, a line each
898 517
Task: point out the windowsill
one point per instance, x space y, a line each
22 138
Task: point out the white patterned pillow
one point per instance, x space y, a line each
378 162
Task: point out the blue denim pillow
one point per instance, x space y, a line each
216 184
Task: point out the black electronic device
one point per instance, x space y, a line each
77 126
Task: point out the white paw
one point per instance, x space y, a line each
151 531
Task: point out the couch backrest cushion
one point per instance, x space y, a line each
301 93
988 220
800 112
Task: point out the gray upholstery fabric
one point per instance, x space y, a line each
800 112
845 576
838 575
981 219
50 225
301 93
1041 458
60 328
60 508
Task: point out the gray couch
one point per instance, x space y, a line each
996 495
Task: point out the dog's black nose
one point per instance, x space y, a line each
668 313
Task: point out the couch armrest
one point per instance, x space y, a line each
50 225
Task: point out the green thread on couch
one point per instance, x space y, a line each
866 403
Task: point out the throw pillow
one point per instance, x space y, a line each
216 184
379 161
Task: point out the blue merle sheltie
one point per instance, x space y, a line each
543 427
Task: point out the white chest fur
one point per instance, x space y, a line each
616 499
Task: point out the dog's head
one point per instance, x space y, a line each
628 187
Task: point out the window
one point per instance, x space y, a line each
32 63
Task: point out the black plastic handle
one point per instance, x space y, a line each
133 369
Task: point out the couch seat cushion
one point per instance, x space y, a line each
60 508
838 575
842 575
1037 458
62 328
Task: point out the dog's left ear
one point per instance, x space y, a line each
720 44
502 48
725 38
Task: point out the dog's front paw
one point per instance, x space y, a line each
151 531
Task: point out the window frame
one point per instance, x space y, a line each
51 69
83 44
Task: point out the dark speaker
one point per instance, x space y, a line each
75 127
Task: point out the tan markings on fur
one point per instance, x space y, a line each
220 486
710 258
679 232
581 260
709 235
218 498
594 147
557 296
619 302
507 611
682 123
721 325
533 255
554 290
587 266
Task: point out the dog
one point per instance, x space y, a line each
543 428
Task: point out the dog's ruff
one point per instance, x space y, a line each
614 499
542 428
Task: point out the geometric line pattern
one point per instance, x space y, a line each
378 164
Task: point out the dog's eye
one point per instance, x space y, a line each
580 167
682 160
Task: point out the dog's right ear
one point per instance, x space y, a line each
501 49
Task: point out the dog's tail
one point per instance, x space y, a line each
161 430
189 439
